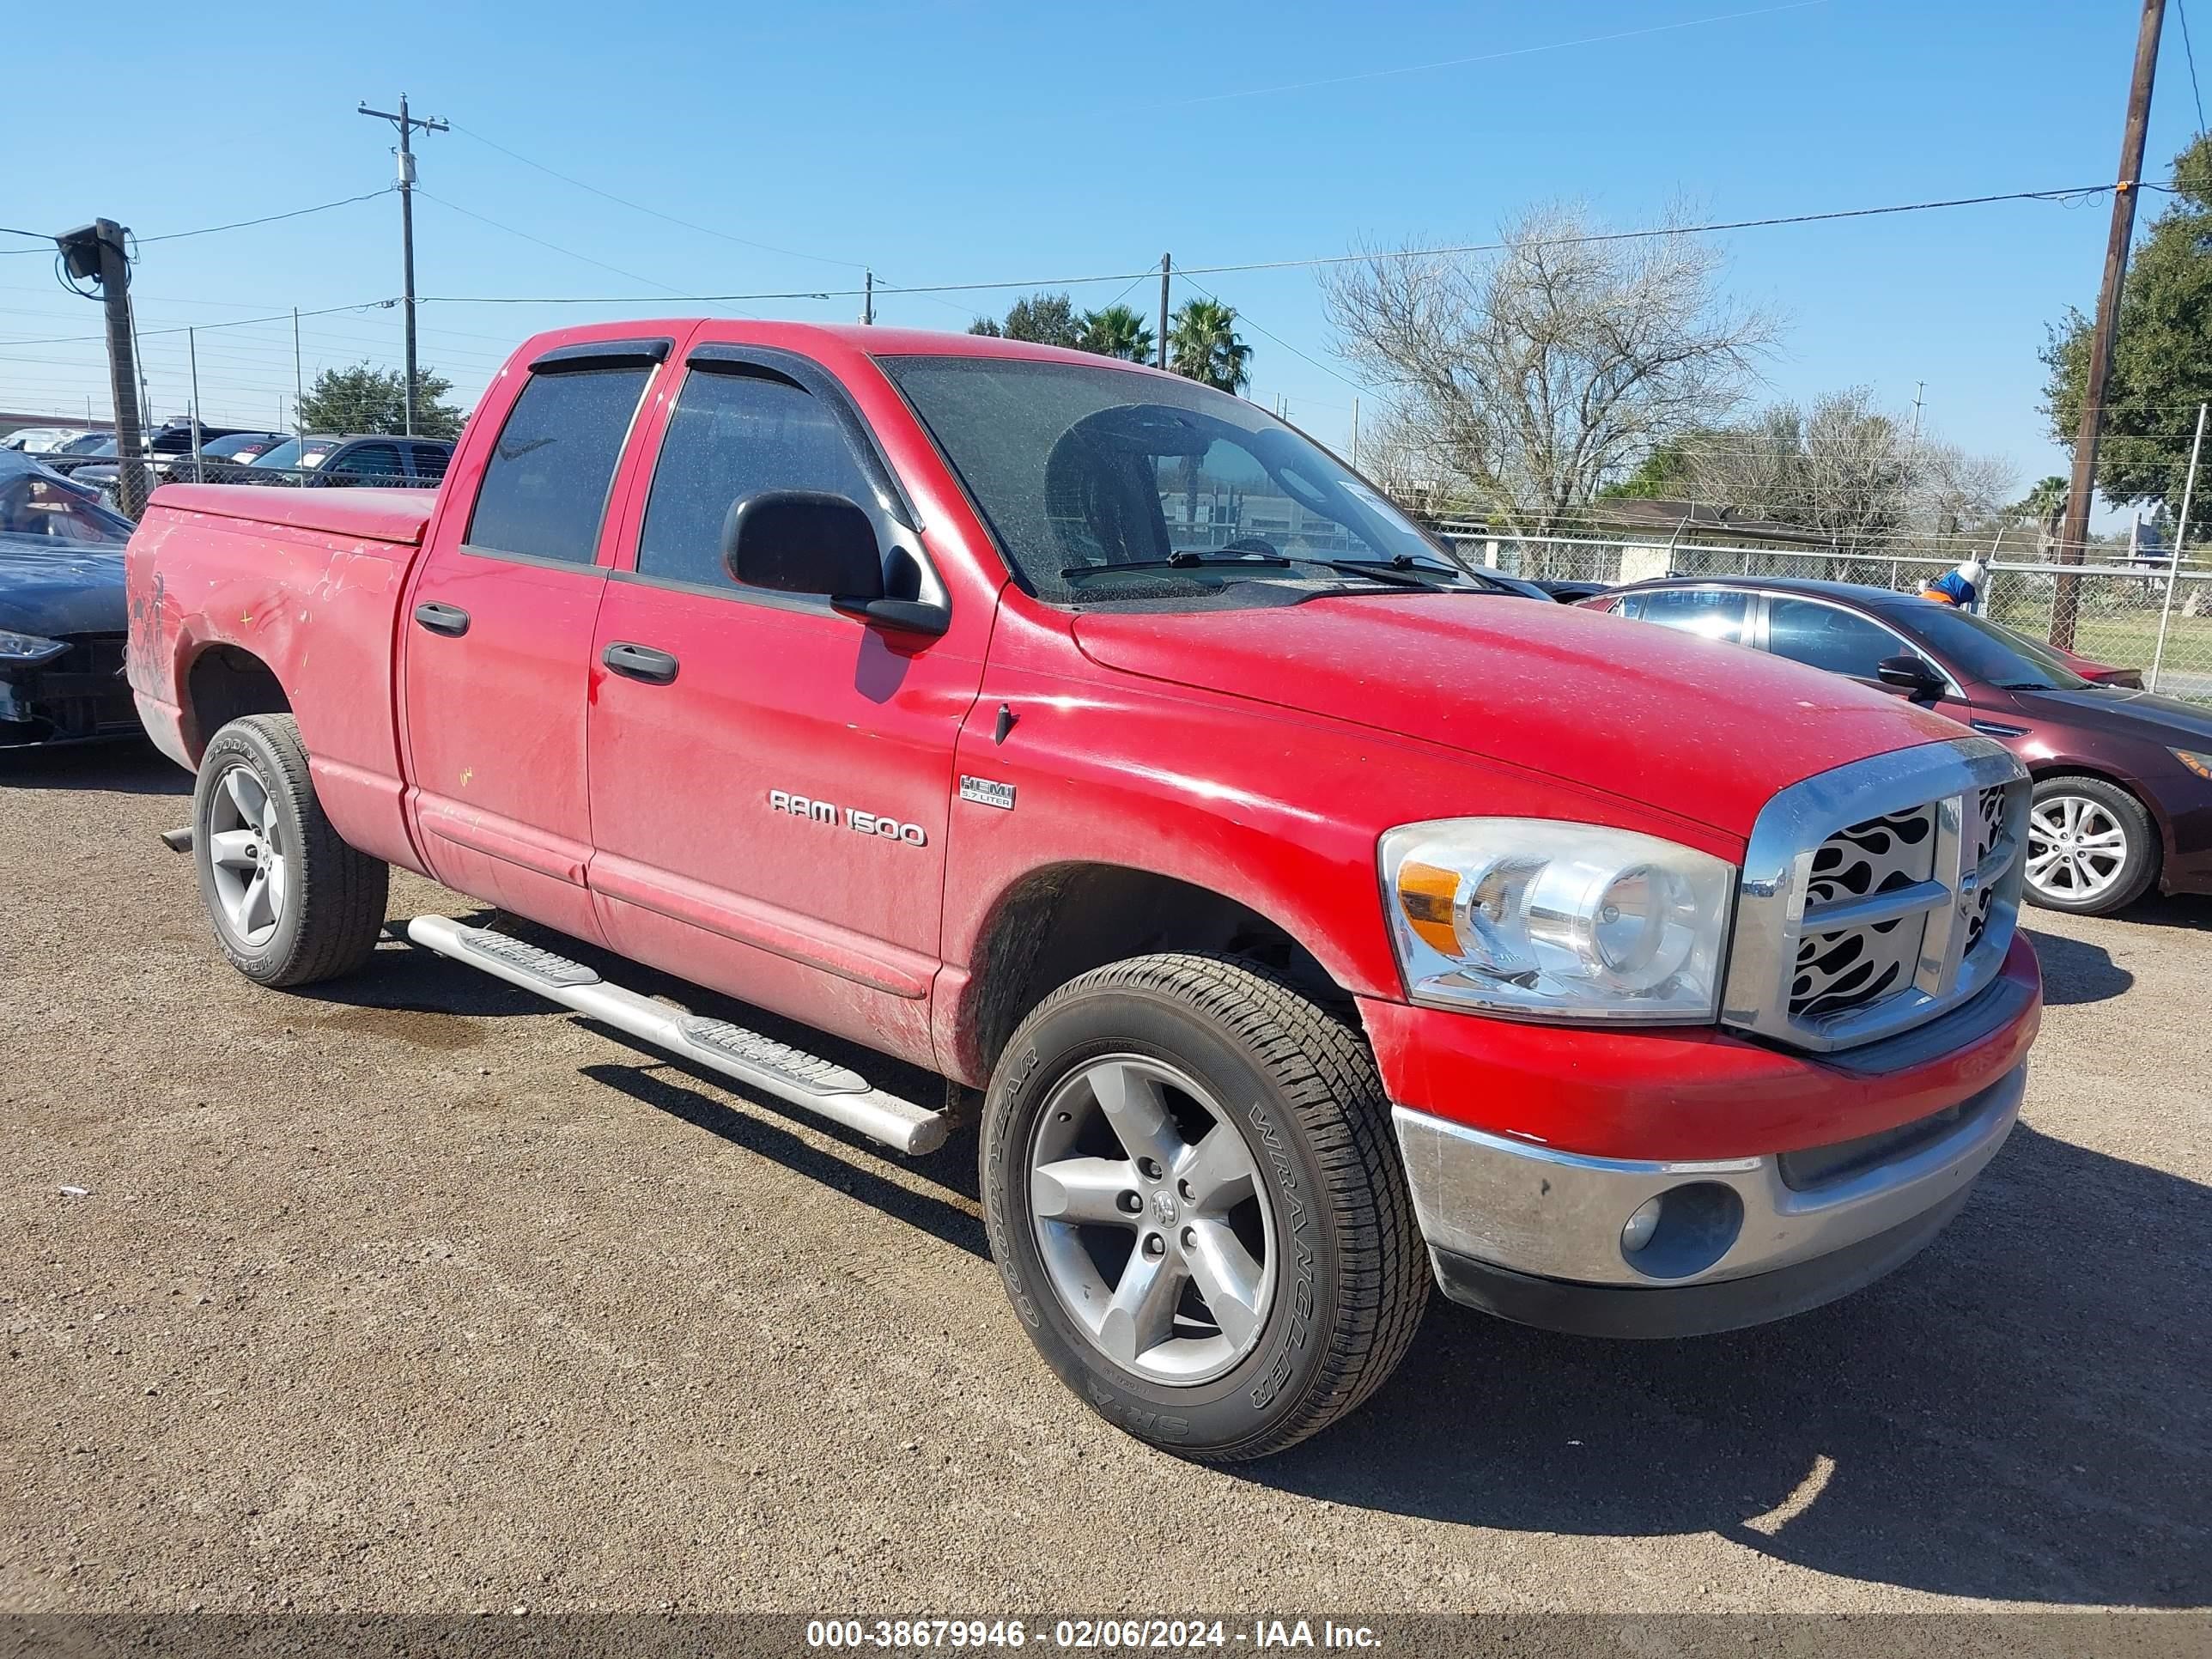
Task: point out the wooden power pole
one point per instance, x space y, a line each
408 125
99 253
2073 537
1165 264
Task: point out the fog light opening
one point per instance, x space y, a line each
1682 1231
1641 1225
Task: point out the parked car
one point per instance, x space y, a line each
373 459
1301 919
2123 778
38 440
222 460
61 610
83 443
1569 591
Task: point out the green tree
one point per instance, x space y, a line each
1667 473
1116 332
2161 350
988 325
1045 320
365 398
1203 346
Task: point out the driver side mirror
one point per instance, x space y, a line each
1913 675
811 542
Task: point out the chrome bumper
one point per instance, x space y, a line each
1488 1203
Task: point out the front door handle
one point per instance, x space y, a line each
639 662
447 619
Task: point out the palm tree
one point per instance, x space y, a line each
1203 346
1116 332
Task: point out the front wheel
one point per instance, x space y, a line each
291 902
1195 1200
2092 849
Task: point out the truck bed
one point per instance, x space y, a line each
383 515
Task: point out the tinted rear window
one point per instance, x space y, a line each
545 490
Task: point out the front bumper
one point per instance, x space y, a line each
1538 1235
75 697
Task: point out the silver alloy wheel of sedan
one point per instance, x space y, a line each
1151 1218
246 853
2076 848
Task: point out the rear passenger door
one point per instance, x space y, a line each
771 779
377 465
498 637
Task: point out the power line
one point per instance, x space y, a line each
570 253
2189 52
655 213
239 224
1310 261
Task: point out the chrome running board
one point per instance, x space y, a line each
793 1076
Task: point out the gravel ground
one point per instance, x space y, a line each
416 1294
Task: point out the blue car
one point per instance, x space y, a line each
62 623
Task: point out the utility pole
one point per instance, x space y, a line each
299 425
407 124
1355 435
192 346
2180 542
868 298
1165 264
2074 537
96 253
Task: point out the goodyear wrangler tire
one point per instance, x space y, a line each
1196 1203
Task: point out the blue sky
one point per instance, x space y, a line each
967 142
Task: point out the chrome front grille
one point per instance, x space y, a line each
1878 896
1850 967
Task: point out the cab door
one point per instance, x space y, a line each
498 629
771 779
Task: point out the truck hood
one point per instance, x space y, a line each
48 590
1703 730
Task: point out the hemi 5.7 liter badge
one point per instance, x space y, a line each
985 791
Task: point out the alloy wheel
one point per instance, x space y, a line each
1152 1220
246 855
2076 848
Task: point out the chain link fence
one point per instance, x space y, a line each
2150 616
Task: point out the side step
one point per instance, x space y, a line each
798 1079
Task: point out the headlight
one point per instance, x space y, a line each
29 647
1535 917
2197 761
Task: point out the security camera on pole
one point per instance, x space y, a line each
407 124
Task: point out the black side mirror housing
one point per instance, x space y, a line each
804 541
808 541
1911 674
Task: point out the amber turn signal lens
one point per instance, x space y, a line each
2200 764
1426 895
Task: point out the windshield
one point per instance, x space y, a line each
40 505
244 443
1980 650
1094 479
290 452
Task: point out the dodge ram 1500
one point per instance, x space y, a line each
1304 920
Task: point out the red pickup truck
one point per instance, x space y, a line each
1303 917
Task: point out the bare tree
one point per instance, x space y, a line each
1535 375
1846 468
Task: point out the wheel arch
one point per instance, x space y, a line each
1062 919
220 682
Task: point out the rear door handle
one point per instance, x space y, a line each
447 619
639 662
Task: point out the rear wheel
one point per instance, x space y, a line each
1195 1200
2091 847
291 902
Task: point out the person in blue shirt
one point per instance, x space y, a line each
1961 586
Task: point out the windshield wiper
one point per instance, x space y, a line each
1183 561
1402 570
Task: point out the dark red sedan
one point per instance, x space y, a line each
2123 777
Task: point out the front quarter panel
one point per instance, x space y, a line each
1281 812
